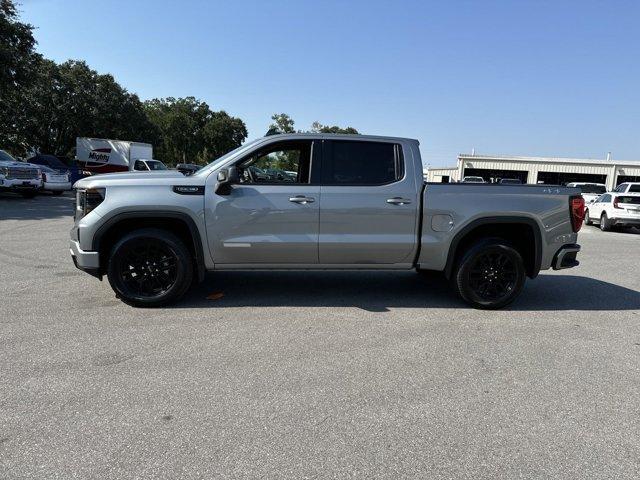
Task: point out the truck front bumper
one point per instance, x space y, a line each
566 257
86 261
17 184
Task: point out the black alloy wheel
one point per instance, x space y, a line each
150 267
490 274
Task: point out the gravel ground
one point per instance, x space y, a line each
296 375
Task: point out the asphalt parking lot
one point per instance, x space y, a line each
297 375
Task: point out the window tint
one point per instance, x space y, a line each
605 198
629 200
620 188
361 163
634 188
592 188
286 162
139 165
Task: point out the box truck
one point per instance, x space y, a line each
101 155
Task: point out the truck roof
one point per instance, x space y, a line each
341 136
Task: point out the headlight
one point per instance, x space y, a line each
87 200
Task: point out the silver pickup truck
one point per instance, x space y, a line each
314 201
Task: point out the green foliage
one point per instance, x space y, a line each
71 100
45 106
317 127
16 60
282 123
189 131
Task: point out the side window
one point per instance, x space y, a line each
634 189
286 163
620 188
605 199
361 163
139 165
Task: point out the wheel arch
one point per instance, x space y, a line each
516 229
178 223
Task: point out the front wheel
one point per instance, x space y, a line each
490 274
150 268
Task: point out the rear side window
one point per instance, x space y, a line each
634 188
629 200
605 199
361 163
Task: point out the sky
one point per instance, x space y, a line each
552 78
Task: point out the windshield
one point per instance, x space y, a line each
5 157
592 188
156 165
222 159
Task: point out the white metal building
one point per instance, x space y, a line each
548 170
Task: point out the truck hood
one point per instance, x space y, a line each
121 178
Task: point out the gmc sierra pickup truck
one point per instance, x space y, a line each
317 201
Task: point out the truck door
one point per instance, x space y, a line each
369 203
271 217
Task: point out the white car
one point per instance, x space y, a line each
54 181
589 191
628 187
614 210
473 180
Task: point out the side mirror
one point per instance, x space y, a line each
226 178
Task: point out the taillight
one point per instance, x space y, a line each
615 203
576 207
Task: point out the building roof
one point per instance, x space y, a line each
512 158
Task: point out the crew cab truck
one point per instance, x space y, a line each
350 202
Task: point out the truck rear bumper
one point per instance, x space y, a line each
566 257
86 261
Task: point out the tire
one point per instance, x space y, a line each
605 226
587 219
135 268
28 194
490 274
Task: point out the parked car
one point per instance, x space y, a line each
55 181
358 202
58 164
614 210
590 191
143 165
19 177
473 180
510 181
187 168
628 187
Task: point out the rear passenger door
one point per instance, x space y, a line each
369 203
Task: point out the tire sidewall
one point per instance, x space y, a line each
184 267
462 274
604 222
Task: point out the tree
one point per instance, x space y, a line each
189 131
71 100
282 123
16 60
317 127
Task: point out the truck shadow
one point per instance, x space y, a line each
381 291
43 206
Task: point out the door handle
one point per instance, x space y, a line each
302 199
398 201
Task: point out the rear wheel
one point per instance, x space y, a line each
587 219
490 274
150 268
605 226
